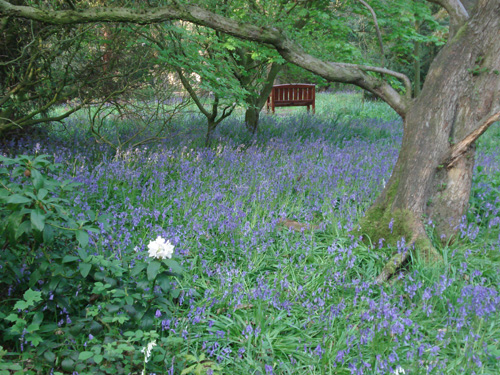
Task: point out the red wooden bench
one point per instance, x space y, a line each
292 94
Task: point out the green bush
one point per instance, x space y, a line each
81 312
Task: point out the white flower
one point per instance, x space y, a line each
147 350
399 370
160 249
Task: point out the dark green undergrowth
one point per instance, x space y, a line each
88 285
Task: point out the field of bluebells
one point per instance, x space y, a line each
180 259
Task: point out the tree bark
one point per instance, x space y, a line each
462 89
252 115
255 104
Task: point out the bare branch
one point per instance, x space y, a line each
289 50
463 146
401 76
379 35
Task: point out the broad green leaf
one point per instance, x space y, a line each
82 253
48 234
32 296
18 199
153 269
174 265
85 355
49 356
32 328
37 219
82 237
70 258
138 268
38 318
85 269
38 180
25 227
34 338
21 305
42 193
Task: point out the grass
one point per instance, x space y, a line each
255 297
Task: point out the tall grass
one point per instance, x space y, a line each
259 298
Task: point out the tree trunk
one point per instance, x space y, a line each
460 94
211 125
252 119
255 104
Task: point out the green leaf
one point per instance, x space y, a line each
21 305
32 296
37 219
34 277
42 193
18 199
32 328
38 180
153 269
138 268
82 237
68 365
25 227
98 358
82 253
38 318
85 355
48 235
12 318
70 258
49 356
174 265
85 269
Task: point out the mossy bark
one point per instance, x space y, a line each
461 91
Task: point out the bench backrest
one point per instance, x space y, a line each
292 92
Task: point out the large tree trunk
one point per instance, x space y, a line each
461 94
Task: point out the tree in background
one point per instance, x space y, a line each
459 100
40 65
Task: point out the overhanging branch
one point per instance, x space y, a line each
289 50
401 76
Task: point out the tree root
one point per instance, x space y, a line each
296 226
392 266
420 243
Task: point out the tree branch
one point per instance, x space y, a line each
192 92
401 76
463 146
379 35
457 12
289 50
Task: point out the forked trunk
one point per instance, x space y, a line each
460 94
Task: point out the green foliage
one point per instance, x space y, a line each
32 204
49 275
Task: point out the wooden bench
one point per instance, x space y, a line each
292 94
